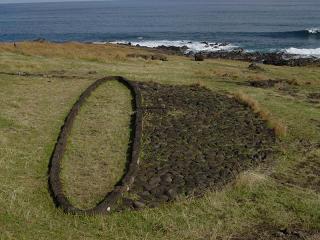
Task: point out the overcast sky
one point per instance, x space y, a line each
27 1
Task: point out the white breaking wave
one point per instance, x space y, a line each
315 52
191 46
99 43
313 30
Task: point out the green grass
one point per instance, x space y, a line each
96 153
32 110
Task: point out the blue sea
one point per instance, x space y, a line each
202 25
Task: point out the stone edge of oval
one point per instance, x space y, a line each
54 181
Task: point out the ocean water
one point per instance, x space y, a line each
255 25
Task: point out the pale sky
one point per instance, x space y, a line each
28 1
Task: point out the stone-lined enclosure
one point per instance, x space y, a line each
55 183
192 140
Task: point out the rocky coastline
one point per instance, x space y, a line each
271 58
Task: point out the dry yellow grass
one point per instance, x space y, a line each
73 50
277 125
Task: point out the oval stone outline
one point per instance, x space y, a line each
55 184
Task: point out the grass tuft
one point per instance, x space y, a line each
279 127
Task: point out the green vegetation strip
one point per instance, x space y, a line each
55 183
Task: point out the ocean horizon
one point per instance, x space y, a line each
289 25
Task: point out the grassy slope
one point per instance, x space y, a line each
33 109
96 153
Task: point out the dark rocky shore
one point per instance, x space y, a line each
272 58
275 58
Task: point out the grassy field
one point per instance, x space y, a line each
32 110
96 155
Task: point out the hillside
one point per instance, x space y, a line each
40 82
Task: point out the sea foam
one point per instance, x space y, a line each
314 30
190 45
315 52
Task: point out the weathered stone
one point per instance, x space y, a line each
172 193
198 57
138 204
154 181
167 178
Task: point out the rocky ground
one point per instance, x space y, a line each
193 140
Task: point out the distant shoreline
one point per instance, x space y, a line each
277 58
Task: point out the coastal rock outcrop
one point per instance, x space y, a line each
275 58
270 58
173 49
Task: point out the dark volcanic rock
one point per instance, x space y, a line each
272 58
173 49
194 140
198 57
276 58
138 204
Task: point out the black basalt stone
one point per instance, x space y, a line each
200 141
